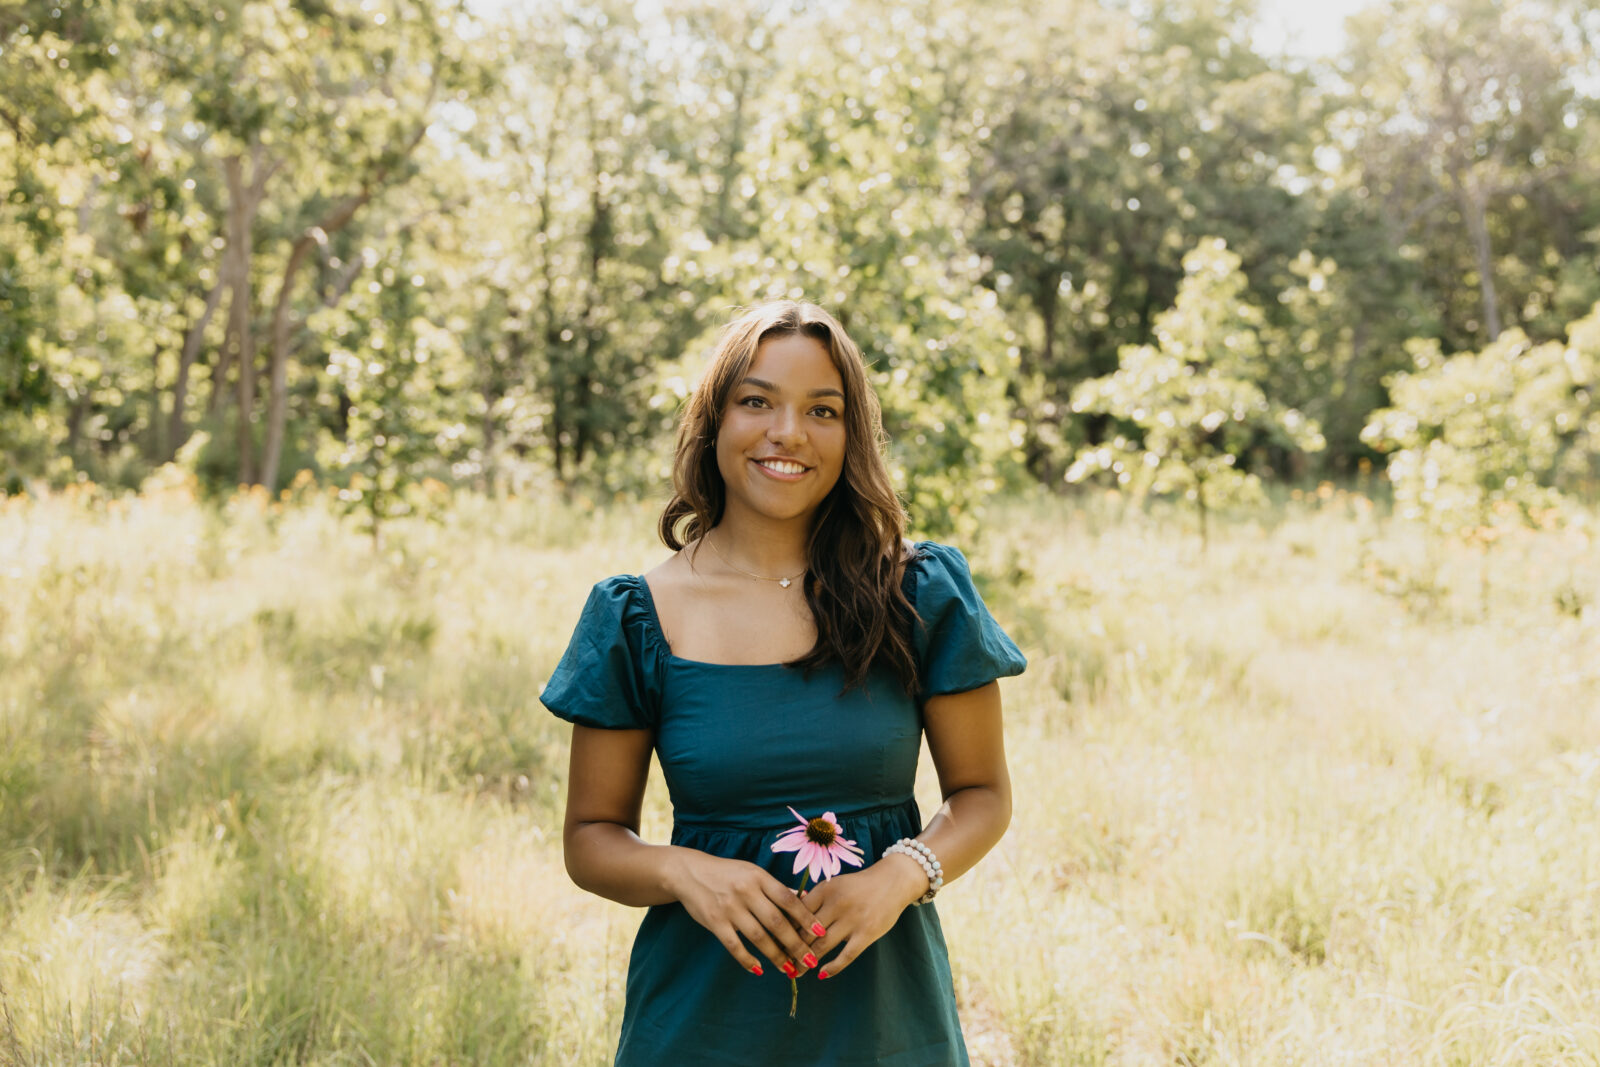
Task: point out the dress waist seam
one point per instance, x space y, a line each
696 822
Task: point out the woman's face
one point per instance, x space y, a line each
781 445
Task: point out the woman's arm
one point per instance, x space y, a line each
605 855
968 749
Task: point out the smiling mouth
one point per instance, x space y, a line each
782 467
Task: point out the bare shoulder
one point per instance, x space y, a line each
663 573
674 572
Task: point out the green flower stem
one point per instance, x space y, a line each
794 983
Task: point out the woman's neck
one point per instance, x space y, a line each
762 545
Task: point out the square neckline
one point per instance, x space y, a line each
654 618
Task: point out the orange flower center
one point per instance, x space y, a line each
820 831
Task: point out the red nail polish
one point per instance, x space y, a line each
756 970
821 975
788 969
817 928
809 960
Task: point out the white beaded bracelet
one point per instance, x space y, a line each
910 846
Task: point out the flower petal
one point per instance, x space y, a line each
788 842
797 815
852 860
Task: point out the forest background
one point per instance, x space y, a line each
382 241
340 346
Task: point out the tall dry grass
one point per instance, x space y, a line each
267 796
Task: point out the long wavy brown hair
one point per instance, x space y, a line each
856 548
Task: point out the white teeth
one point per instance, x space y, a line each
782 467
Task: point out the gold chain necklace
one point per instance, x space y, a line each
785 582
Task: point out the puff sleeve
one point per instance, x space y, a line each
958 644
609 676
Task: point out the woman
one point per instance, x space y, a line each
788 655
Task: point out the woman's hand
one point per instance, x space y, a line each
857 909
968 749
732 897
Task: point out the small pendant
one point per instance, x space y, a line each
785 582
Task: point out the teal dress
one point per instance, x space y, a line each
738 746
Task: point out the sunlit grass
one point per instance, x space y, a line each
270 796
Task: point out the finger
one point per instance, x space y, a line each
838 929
800 916
764 944
816 897
741 955
782 930
845 958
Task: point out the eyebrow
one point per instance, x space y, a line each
769 387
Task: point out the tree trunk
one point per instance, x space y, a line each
551 332
155 430
240 309
494 390
1047 300
582 436
239 347
486 474
177 427
336 219
278 364
1474 206
243 203
558 448
75 416
598 237
224 364
278 359
1147 309
730 164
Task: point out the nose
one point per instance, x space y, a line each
787 428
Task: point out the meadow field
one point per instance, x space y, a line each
272 795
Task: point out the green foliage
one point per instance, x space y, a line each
996 198
1331 338
1467 120
396 374
1483 441
24 386
1194 397
575 273
873 227
1105 142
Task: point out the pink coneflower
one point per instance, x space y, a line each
818 844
